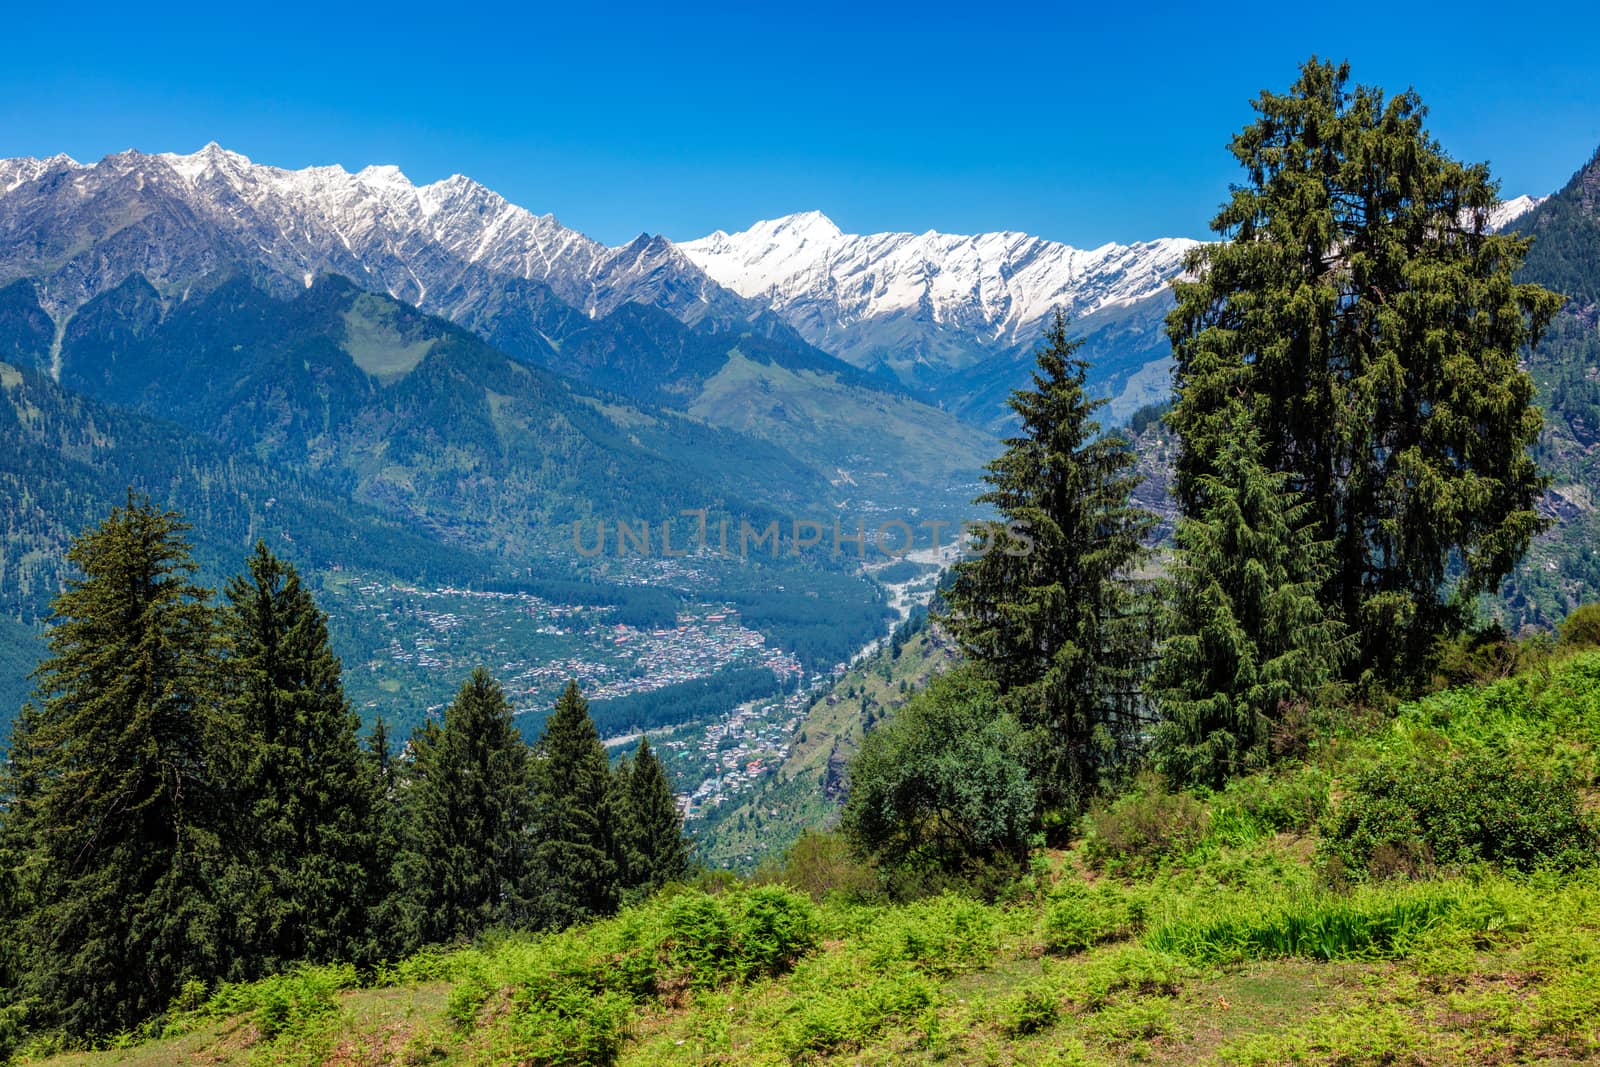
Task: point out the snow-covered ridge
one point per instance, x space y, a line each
1508 211
445 246
998 286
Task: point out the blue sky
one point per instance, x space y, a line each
1084 125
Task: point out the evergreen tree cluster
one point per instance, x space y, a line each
1355 468
189 799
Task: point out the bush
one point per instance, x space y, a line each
1266 804
942 786
1485 655
822 865
572 1027
1081 916
941 936
1035 1008
284 1004
1137 830
1415 813
847 1018
774 928
1581 629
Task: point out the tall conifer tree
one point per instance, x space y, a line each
124 756
1360 302
575 863
1246 634
306 789
1050 611
649 827
464 859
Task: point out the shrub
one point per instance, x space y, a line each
1581 629
1415 813
844 1019
573 1027
1265 804
1142 827
774 928
697 939
1081 916
1035 1008
823 865
941 936
943 785
287 1003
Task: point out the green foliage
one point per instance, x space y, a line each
1360 309
118 792
572 996
573 816
306 795
1580 630
942 786
571 1027
1371 924
286 1005
1148 823
1485 654
464 853
1080 916
1048 612
939 936
1031 1010
822 865
1290 801
834 1022
1415 813
649 829
1245 636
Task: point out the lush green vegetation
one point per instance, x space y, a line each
1370 329
1201 926
1278 831
187 800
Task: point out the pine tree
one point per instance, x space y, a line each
308 799
1360 303
1050 612
125 756
386 832
1246 635
649 826
575 865
465 854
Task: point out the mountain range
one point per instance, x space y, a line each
430 380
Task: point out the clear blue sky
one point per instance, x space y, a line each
1084 125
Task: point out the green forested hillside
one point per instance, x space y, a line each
413 415
1563 569
65 459
808 788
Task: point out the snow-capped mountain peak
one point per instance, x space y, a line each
995 287
447 246
1509 211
